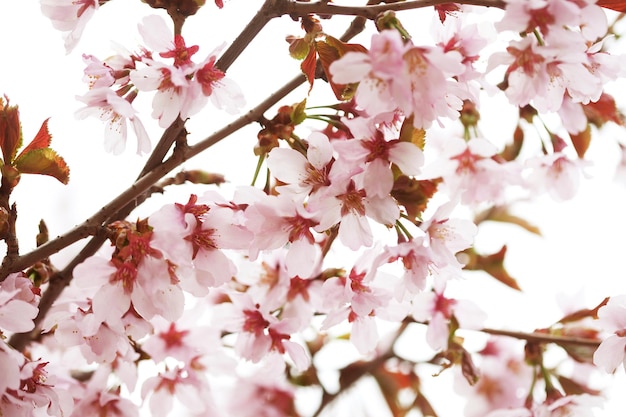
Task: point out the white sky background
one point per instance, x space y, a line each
582 250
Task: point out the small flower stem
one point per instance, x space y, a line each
404 230
259 164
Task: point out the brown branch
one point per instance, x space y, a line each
543 337
357 372
252 29
267 12
299 9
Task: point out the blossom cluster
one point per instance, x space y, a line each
226 299
181 87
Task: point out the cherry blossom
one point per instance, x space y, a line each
556 173
263 392
504 380
281 220
259 332
411 78
193 236
353 298
447 236
96 398
183 87
470 170
416 257
350 207
303 175
18 299
115 111
69 16
185 385
372 153
610 353
226 300
438 310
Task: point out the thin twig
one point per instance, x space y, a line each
543 337
356 373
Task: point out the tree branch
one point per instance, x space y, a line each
299 9
252 29
267 12
543 337
351 374
93 224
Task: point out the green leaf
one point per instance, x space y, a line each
298 114
43 162
298 48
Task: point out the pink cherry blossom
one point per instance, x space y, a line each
303 175
503 383
556 173
373 154
98 341
280 220
137 275
18 303
27 389
181 88
193 236
561 61
259 332
394 75
297 298
446 237
350 207
356 300
611 352
196 346
188 387
468 169
69 16
263 393
115 111
438 310
468 40
96 398
416 257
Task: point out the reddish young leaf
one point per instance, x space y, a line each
414 194
502 214
581 141
602 111
10 131
42 139
617 5
329 51
308 66
446 9
512 149
493 265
